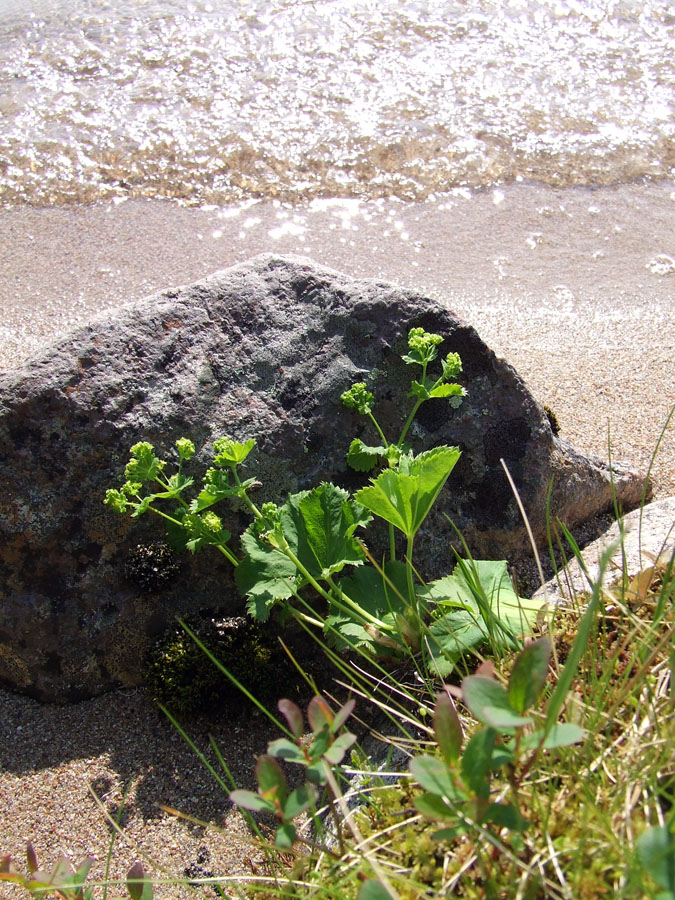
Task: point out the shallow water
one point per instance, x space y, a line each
215 101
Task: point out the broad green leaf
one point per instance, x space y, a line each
559 735
138 886
378 593
284 836
434 806
433 776
477 761
656 851
316 773
319 526
391 497
143 506
254 802
404 497
505 816
453 636
231 453
514 615
450 834
282 748
529 674
271 780
216 487
336 752
421 389
489 702
448 729
363 458
293 715
373 890
265 572
297 802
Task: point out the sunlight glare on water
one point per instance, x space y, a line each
216 102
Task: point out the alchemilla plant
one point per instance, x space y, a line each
308 556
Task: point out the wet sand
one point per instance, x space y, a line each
575 287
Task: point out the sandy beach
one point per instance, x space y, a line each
574 287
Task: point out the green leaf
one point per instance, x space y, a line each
342 715
144 465
297 802
231 453
319 714
505 816
656 851
336 752
560 735
143 506
138 886
405 496
254 802
378 592
363 458
434 806
489 702
319 526
271 780
447 390
477 761
453 636
293 715
373 890
433 776
448 729
265 572
421 389
282 748
529 674
284 836
216 487
316 773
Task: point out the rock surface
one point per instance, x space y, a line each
263 350
641 538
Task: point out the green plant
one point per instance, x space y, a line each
312 538
66 881
324 750
656 850
180 676
458 785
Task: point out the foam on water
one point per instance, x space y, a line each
214 102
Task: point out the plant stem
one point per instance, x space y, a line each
244 496
379 430
409 574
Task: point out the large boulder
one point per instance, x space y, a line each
261 350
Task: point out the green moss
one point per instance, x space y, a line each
552 420
180 676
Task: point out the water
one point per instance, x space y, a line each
216 102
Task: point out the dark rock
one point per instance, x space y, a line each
263 350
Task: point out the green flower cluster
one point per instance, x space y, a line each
358 398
